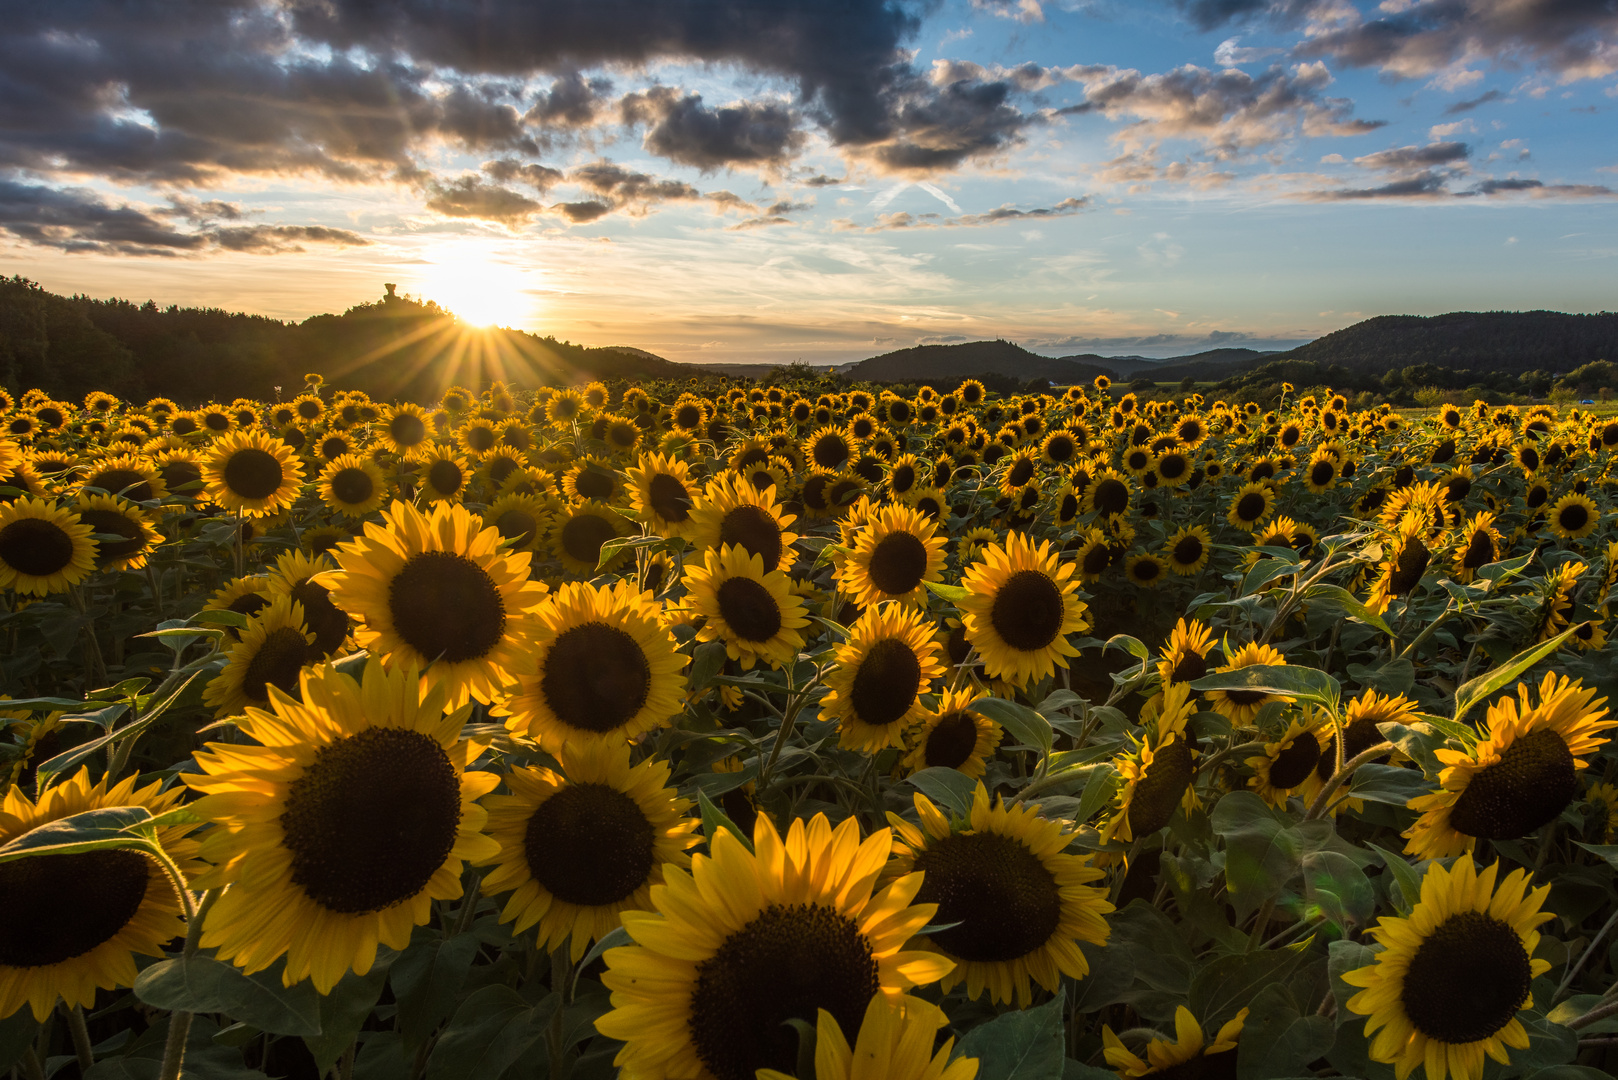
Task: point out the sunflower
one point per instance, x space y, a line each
881 671
521 520
1603 804
1020 607
88 913
579 531
731 511
403 429
661 491
273 648
1250 505
953 736
592 480
1286 765
1020 903
892 555
442 476
1407 561
1188 550
1093 555
580 846
1479 546
1145 569
352 485
342 822
1240 707
438 590
252 473
895 1042
1185 657
1185 1056
110 516
701 993
1446 988
1109 493
132 477
44 548
829 449
1519 777
1156 774
602 668
1556 609
752 610
1574 516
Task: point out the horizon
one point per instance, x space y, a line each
758 182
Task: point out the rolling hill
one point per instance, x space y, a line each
966 360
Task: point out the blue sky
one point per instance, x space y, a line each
750 180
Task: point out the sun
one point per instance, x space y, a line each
481 284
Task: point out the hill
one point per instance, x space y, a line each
941 362
1129 367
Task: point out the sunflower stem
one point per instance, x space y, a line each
1600 1012
30 1065
1261 923
1344 770
345 1067
560 969
463 922
1427 631
81 1039
1576 966
174 1046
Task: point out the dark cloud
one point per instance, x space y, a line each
571 102
681 128
1425 186
78 220
1415 158
1467 106
539 177
624 186
1539 190
763 221
1000 215
580 213
822 180
939 128
472 197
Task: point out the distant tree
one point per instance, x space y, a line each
1188 384
1037 385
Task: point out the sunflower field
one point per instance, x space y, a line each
721 731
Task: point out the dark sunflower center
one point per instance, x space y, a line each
590 844
333 447
74 903
1028 611
249 604
902 480
1068 509
1147 570
595 484
1573 517
406 429
788 963
177 474
951 742
1408 567
583 536
669 498
252 473
1533 781
1189 667
1246 697
1250 507
1479 550
352 486
445 477
126 482
1022 471
276 663
688 416
1188 550
517 525
1537 495
309 409
445 606
372 819
1321 473
183 425
898 563
1293 765
1159 792
748 609
1467 980
887 682
1111 496
36 547
830 451
1003 896
1173 466
596 677
755 529
1096 558
480 438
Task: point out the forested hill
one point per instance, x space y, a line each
954 362
394 348
1481 340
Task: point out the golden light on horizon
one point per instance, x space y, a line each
477 283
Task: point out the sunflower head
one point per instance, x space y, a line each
888 662
1020 607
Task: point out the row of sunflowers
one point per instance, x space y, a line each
719 731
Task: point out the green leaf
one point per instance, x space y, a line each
1223 987
714 819
953 593
1489 683
17 1032
1133 646
344 1011
1404 875
202 984
1099 790
1549 1043
220 617
948 787
93 830
1569 1072
1341 597
612 939
492 1029
1112 973
1609 852
1342 958
1394 677
706 663
1276 1040
1265 571
43 704
427 978
1023 1045
1304 683
1420 742
1261 852
1339 889
1391 784
1025 725
611 548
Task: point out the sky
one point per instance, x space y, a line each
821 180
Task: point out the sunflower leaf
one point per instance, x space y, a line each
1026 1044
1489 683
1276 1040
93 830
201 984
951 787
1404 875
1341 597
953 593
1133 646
715 819
1025 725
1304 683
492 1029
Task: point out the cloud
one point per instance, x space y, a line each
822 180
1024 11
80 221
681 128
1000 215
539 177
1539 190
1460 107
581 213
624 187
471 197
571 102
1429 172
938 126
1230 53
1406 159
